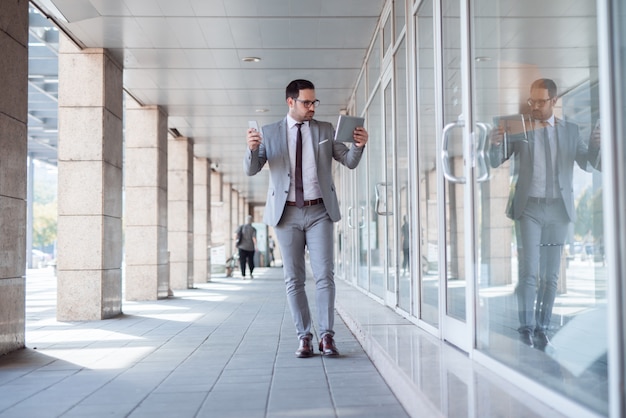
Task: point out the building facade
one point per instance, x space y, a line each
426 231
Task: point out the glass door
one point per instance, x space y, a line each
455 196
381 231
541 280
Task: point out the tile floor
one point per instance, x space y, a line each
226 349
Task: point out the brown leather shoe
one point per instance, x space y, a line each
305 349
327 346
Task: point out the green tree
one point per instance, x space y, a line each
589 213
44 224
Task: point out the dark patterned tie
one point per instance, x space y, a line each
549 169
299 185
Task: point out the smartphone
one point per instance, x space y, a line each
253 125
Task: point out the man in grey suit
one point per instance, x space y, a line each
542 203
302 204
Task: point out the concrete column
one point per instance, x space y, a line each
145 215
90 184
237 212
243 208
180 211
201 220
218 239
13 156
228 220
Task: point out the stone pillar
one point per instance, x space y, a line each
238 216
89 248
228 220
244 210
236 210
180 211
145 215
218 239
201 220
13 157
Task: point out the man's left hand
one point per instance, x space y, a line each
360 137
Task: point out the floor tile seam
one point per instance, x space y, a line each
333 401
286 313
75 403
21 375
191 324
235 350
164 378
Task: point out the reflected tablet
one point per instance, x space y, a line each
346 126
514 124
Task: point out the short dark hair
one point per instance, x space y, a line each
544 83
293 88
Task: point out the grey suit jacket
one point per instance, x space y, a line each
274 151
570 148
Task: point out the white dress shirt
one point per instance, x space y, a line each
538 183
309 169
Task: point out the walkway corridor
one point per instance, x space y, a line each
226 349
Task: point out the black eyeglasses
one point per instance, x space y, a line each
308 103
540 102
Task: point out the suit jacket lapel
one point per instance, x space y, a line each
531 143
315 137
283 145
561 141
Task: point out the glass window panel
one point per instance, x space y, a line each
373 239
388 188
361 96
428 233
454 192
619 19
516 291
387 35
402 173
374 64
400 12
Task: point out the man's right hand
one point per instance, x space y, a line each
254 139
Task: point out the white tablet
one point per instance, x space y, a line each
346 126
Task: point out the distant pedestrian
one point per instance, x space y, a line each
246 244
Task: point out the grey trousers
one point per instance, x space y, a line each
543 229
298 230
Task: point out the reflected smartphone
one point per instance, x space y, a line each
253 125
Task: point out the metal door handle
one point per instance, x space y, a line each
379 201
445 158
483 167
350 218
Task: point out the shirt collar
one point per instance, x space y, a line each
291 122
551 120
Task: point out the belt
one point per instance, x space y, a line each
307 202
544 200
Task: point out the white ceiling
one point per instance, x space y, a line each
186 56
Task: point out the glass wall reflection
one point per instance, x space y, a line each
542 273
